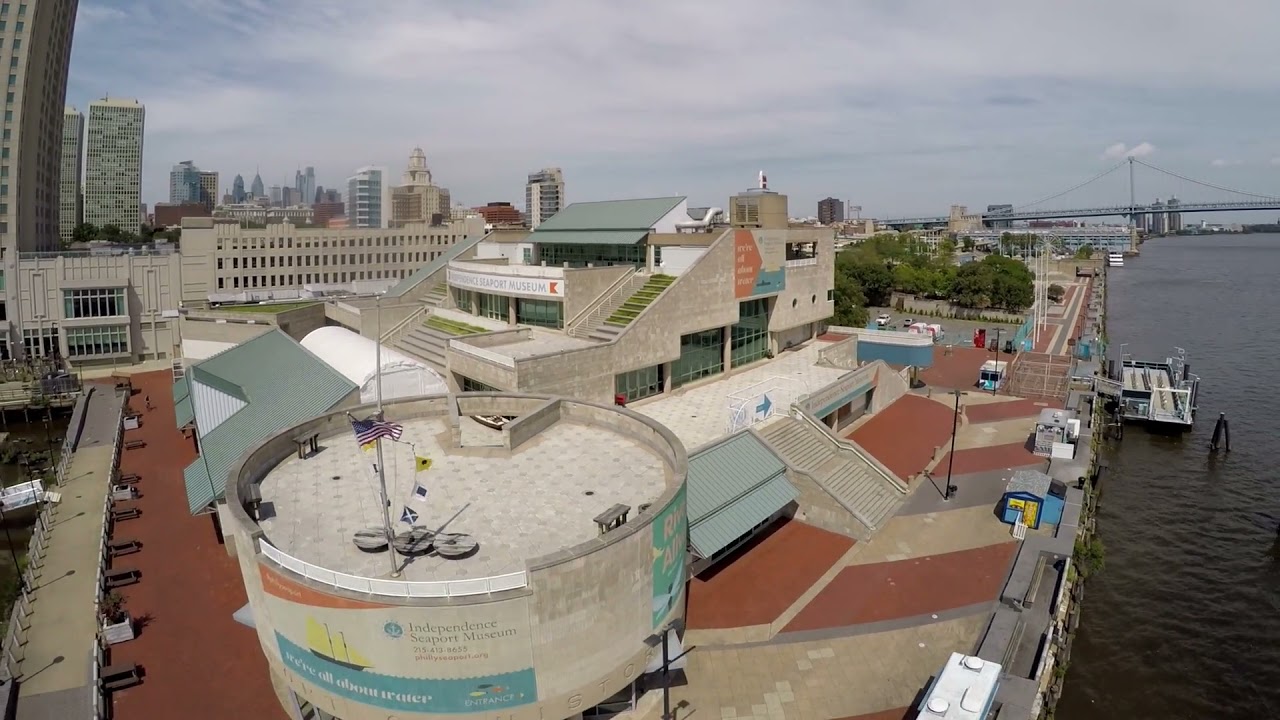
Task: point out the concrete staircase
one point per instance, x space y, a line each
858 487
595 320
631 308
435 297
425 343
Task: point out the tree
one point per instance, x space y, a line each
851 303
1056 292
1085 252
111 233
967 244
84 232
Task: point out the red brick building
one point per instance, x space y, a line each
167 214
324 211
501 213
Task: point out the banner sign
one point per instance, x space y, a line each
506 284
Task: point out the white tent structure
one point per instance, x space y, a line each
355 356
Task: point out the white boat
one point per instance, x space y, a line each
1115 259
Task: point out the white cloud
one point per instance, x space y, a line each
1275 161
1120 150
899 107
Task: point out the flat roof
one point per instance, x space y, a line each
963 690
700 414
540 499
541 342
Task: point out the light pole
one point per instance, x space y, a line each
951 459
667 662
17 568
997 355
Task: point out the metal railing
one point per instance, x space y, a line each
799 413
597 303
396 588
802 262
389 337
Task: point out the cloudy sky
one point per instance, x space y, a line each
900 106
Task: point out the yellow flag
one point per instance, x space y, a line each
369 446
422 464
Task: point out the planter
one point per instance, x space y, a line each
123 492
119 632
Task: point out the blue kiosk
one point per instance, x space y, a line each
1032 498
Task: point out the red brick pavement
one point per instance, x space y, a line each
198 663
904 713
959 369
907 588
996 457
904 435
833 337
1008 410
761 580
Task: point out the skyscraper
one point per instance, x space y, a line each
830 210
113 165
208 189
35 44
417 199
184 183
237 189
305 184
366 199
257 189
70 207
543 195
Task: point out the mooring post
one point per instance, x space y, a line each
1218 429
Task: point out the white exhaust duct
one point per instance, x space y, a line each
707 220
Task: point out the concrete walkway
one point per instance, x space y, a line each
56 669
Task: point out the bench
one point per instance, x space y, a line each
307 443
1029 599
119 677
253 501
135 444
121 577
613 518
116 548
129 479
127 513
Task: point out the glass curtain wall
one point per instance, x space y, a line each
701 355
751 335
494 307
637 384
556 255
543 313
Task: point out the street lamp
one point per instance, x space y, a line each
17 568
667 663
951 459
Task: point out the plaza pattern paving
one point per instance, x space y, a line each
1007 410
905 435
762 579
200 664
998 457
906 588
956 367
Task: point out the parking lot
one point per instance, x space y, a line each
958 332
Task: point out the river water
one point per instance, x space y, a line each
1184 621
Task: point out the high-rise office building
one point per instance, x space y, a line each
543 195
367 194
830 210
237 189
184 183
113 164
70 209
35 46
305 185
208 189
276 193
257 189
417 199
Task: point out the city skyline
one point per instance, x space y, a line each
958 119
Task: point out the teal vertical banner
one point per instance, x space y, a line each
670 541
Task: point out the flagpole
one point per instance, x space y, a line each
382 471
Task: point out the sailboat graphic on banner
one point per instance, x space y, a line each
327 646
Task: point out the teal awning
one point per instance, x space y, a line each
734 485
720 529
587 237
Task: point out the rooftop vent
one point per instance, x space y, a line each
973 663
937 706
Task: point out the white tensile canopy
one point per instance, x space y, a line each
355 356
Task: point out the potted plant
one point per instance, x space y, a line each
117 626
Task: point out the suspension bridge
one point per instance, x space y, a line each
1053 207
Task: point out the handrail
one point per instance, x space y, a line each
396 588
400 326
480 353
798 412
585 314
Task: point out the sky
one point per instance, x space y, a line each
902 107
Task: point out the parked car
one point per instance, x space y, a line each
883 320
908 322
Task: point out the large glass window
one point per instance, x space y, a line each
101 340
701 355
494 307
751 334
462 299
555 255
543 313
469 385
637 384
40 342
93 302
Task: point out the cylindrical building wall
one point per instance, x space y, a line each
573 630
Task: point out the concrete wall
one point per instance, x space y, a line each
804 299
890 385
817 507
903 302
529 425
589 607
238 326
842 354
582 286
223 331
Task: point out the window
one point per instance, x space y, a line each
494 307
462 299
40 342
701 355
101 340
831 295
93 302
637 384
580 255
750 336
469 385
543 313
527 255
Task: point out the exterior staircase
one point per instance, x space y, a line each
435 297
849 479
429 339
587 327
631 308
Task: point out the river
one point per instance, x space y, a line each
1184 621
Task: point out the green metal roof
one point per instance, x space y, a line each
609 215
588 237
182 402
426 271
734 485
282 383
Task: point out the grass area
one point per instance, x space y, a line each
271 309
641 299
453 327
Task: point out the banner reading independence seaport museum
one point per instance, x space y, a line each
439 660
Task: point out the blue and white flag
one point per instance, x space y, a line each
408 516
419 492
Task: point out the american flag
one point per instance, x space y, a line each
371 429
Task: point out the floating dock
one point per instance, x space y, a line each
1160 395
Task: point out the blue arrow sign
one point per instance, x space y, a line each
765 405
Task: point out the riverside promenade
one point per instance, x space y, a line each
57 658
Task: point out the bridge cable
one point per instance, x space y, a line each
1200 182
1055 196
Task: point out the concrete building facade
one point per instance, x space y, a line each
830 211
35 46
113 163
417 200
224 262
71 173
543 195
